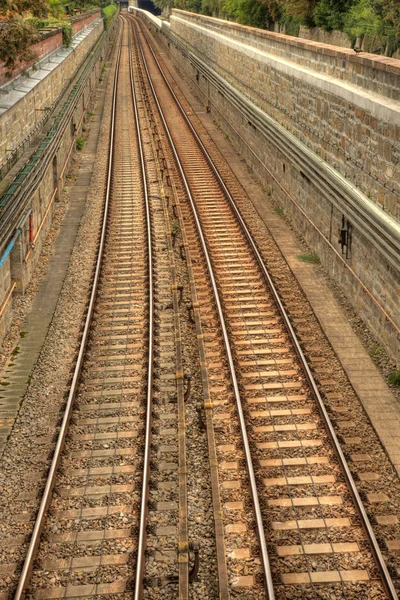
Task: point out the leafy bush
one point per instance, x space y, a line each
367 20
16 39
67 33
329 14
80 142
362 19
108 14
247 12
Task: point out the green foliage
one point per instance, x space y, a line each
108 14
329 14
377 22
394 378
16 39
56 9
374 20
247 12
67 33
310 258
80 142
190 5
292 25
280 211
362 19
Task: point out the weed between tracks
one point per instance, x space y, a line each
394 378
312 257
80 142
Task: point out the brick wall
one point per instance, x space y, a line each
49 42
17 122
79 23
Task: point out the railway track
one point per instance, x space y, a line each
99 476
288 519
310 510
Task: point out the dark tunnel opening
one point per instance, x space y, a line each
148 5
143 4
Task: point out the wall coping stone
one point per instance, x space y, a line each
13 91
384 63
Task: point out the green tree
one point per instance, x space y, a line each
373 18
330 14
247 12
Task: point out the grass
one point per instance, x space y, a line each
22 334
280 211
375 351
80 142
4 383
90 114
175 228
394 378
16 350
312 257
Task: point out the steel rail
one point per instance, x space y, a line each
253 484
138 593
211 75
386 578
183 578
47 494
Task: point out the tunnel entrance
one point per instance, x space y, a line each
148 5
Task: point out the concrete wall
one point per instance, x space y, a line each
335 38
327 98
20 265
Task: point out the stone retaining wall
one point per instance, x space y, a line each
20 265
17 122
327 117
326 96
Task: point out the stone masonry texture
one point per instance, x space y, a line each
344 107
17 122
